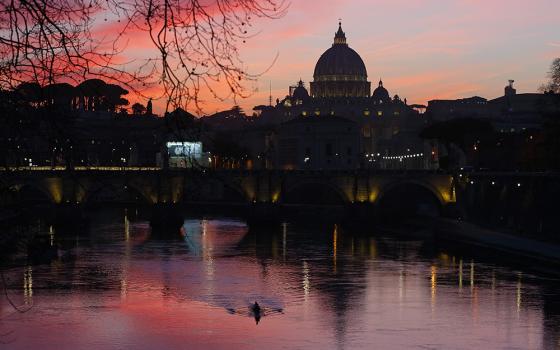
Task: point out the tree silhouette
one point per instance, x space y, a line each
553 85
138 109
457 132
195 44
90 95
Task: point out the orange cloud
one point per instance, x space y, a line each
423 49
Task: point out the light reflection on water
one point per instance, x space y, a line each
115 287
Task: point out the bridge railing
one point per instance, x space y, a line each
80 168
229 171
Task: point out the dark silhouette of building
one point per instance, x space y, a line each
386 127
326 142
511 112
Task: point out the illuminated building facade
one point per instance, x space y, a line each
386 126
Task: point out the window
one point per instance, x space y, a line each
366 132
379 113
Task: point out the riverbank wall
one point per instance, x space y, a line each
544 256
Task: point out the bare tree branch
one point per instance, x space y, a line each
196 44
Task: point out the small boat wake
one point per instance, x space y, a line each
255 311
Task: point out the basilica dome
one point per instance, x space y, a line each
380 94
340 71
300 92
340 60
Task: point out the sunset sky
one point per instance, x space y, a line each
422 49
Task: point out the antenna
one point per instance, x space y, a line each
270 93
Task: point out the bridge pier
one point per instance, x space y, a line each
451 210
360 214
263 214
67 216
166 220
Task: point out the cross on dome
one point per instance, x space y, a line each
340 36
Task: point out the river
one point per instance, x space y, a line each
113 286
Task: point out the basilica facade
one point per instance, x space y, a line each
387 127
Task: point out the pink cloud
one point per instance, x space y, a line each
421 48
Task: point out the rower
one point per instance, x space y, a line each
256 312
256 308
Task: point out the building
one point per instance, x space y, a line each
511 112
520 135
386 126
324 142
440 110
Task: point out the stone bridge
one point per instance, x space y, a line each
516 201
153 186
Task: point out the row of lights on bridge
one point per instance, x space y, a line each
493 183
405 156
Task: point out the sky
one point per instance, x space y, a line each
422 49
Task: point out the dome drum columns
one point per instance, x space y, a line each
340 89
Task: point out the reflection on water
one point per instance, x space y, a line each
28 285
114 286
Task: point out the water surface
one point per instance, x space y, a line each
114 286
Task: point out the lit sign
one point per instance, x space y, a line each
185 149
186 154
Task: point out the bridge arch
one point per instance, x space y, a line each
31 190
215 189
230 191
408 198
34 193
116 193
314 192
233 193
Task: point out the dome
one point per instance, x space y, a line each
300 92
380 93
340 59
340 71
